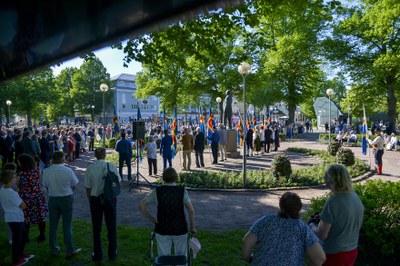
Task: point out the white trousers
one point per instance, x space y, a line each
164 244
222 148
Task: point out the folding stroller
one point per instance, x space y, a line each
169 260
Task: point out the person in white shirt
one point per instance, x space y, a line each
60 182
151 150
377 145
14 216
99 206
392 143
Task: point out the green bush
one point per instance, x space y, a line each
111 143
380 233
281 166
333 148
345 156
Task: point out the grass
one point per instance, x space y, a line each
218 248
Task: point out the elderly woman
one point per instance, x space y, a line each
282 239
170 222
151 150
341 219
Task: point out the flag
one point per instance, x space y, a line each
174 132
140 150
116 126
267 120
165 119
364 133
240 131
254 122
263 121
201 121
210 125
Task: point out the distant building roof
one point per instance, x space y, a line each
127 77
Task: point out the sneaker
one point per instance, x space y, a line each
74 253
27 256
20 262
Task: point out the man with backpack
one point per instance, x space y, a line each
102 186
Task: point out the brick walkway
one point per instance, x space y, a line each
216 210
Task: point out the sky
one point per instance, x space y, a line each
112 60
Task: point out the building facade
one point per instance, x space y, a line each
126 104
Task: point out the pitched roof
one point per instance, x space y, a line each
123 76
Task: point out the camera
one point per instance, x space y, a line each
314 218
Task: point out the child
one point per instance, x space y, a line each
14 217
12 167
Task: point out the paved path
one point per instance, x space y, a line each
225 210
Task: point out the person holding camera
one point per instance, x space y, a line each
282 239
341 219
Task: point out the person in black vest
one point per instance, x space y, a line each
45 149
170 222
249 141
199 148
124 148
78 140
91 135
268 139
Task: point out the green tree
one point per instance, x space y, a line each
64 105
32 93
366 44
85 86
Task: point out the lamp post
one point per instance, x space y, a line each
104 89
244 69
93 114
8 102
219 109
329 92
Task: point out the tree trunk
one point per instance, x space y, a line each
391 102
29 118
292 110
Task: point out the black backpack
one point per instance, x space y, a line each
112 187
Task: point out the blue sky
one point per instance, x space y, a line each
112 60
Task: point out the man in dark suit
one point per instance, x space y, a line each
199 148
124 148
10 141
165 149
27 144
45 149
78 139
91 135
4 148
268 139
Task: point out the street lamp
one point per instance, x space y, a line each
93 114
244 69
219 110
329 92
8 102
104 89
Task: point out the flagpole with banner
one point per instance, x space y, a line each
174 131
364 132
116 125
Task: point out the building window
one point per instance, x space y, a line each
123 100
134 106
145 107
123 106
153 107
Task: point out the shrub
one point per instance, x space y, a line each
380 233
281 166
345 156
111 143
333 148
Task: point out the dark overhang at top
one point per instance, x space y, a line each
38 33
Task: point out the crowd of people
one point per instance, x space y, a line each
38 185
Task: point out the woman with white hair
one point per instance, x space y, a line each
341 219
392 145
151 150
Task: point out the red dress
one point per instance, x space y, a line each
31 192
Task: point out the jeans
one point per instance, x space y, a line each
109 209
165 159
61 207
125 158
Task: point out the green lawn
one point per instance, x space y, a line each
218 248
